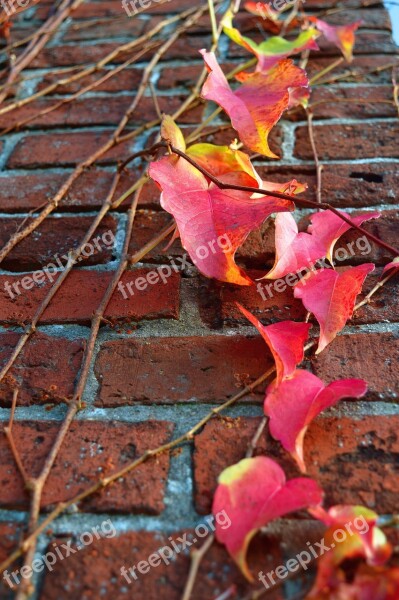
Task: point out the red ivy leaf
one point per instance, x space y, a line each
294 403
252 493
296 251
352 533
212 222
342 36
285 340
327 228
331 297
258 104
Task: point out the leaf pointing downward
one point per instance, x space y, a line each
285 340
258 104
331 297
252 493
342 36
294 403
327 228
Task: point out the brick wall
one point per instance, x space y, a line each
165 356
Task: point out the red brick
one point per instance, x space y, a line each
373 18
383 307
385 228
371 356
126 80
95 571
65 149
9 538
76 54
349 141
109 29
344 185
91 450
22 193
360 67
95 111
56 237
360 102
191 369
361 453
45 371
81 294
185 76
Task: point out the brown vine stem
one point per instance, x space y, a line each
10 438
100 64
319 167
114 140
395 90
297 201
38 42
197 556
184 438
325 71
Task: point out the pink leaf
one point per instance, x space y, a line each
342 36
352 533
294 251
294 403
212 222
252 493
258 104
331 297
327 228
285 340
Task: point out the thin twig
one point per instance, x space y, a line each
319 167
9 435
197 556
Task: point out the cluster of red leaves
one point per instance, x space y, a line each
255 491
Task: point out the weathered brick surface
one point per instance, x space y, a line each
349 141
56 238
362 453
65 149
9 538
81 294
91 450
22 193
45 371
180 369
357 356
95 570
205 350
